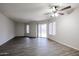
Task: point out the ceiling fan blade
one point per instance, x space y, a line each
61 13
66 8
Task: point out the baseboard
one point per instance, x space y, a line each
24 36
28 36
7 41
20 36
64 44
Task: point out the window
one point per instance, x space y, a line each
27 29
50 28
54 28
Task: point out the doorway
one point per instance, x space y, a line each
42 30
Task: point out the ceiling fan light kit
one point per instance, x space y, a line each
53 9
56 10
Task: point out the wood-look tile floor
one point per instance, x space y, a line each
35 47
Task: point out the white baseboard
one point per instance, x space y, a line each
65 44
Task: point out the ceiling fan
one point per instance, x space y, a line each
56 10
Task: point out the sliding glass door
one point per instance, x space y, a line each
42 30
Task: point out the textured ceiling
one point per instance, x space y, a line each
25 12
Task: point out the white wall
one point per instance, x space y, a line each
20 29
32 26
68 30
33 29
7 29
